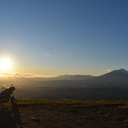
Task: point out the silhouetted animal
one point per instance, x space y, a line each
7 95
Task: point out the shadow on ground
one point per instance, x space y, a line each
10 118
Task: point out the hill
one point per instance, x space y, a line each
65 114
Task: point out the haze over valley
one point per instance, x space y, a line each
109 86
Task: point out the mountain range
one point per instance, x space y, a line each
109 86
115 74
113 78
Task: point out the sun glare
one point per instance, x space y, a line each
5 64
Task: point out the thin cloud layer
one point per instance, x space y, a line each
27 75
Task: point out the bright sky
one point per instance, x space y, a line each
56 37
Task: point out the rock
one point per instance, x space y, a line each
65 126
50 108
109 115
25 122
101 112
90 118
35 119
79 123
10 109
74 111
60 110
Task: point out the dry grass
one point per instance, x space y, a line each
69 114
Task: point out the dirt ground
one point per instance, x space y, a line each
63 116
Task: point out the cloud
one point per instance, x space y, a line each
23 74
17 74
108 70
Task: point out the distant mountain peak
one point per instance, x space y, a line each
121 70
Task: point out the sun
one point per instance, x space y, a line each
5 64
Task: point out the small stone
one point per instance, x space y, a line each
60 110
25 122
35 119
109 115
79 123
74 111
101 112
90 118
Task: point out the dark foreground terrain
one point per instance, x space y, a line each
65 114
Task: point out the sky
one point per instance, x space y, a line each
57 37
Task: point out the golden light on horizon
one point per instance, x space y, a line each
5 64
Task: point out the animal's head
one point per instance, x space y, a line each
11 89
